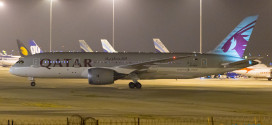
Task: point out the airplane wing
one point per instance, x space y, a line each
127 69
242 62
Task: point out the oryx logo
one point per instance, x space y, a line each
238 42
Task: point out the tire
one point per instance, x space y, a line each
32 83
138 85
131 85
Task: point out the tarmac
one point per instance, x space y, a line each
190 97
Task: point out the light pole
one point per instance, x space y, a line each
50 40
113 23
200 46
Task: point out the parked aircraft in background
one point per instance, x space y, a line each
35 49
105 68
256 71
107 46
159 46
84 46
8 60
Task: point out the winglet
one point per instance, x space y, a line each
22 49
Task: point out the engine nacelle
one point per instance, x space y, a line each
102 76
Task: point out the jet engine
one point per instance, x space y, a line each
102 76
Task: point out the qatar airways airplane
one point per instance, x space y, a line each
105 68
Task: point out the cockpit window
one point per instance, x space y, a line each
20 62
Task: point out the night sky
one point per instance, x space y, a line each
175 22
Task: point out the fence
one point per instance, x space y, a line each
177 120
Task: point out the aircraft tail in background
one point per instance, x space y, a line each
84 46
159 46
35 49
236 42
4 53
107 47
22 49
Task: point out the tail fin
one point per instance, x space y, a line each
159 46
107 47
22 49
236 42
84 46
4 52
35 49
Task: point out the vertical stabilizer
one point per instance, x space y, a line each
34 48
22 49
4 53
107 47
236 42
159 46
84 46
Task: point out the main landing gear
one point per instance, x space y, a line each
32 83
269 79
133 85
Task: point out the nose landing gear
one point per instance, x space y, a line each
32 83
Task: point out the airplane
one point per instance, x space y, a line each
35 49
84 46
107 46
256 71
105 68
8 60
159 46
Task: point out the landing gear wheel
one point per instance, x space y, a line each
32 83
269 79
138 85
131 85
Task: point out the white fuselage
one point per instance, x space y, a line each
8 60
76 65
257 71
